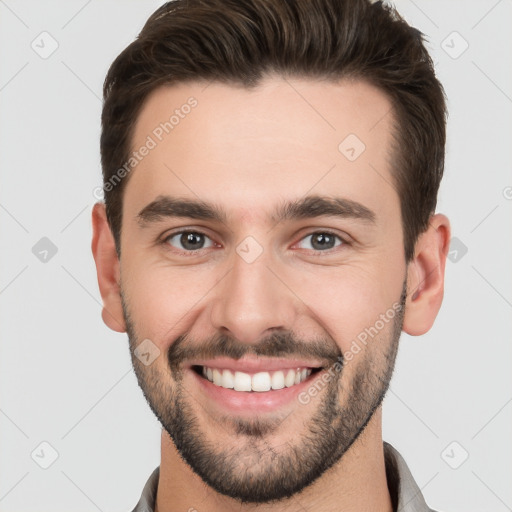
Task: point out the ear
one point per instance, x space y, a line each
107 269
425 276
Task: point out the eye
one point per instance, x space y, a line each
323 241
188 241
191 241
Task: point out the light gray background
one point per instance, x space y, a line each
66 378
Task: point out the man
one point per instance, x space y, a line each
271 171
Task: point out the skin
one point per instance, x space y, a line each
247 151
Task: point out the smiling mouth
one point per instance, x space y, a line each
255 382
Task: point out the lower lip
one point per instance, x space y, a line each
252 401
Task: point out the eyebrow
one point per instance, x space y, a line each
308 207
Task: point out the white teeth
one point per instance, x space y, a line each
228 380
242 381
261 381
217 377
289 380
278 380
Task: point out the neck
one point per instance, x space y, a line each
357 482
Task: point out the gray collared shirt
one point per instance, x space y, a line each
404 491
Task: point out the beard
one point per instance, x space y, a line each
251 469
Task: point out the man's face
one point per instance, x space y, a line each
259 292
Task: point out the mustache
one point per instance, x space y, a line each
277 344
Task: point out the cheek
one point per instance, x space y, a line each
347 302
163 300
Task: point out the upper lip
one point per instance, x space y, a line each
252 365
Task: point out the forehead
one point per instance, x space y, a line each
282 139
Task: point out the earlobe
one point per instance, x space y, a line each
107 269
425 277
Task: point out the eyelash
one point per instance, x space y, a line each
165 243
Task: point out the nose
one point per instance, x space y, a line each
252 300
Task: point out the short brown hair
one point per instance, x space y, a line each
240 41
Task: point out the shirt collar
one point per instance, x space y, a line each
405 494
